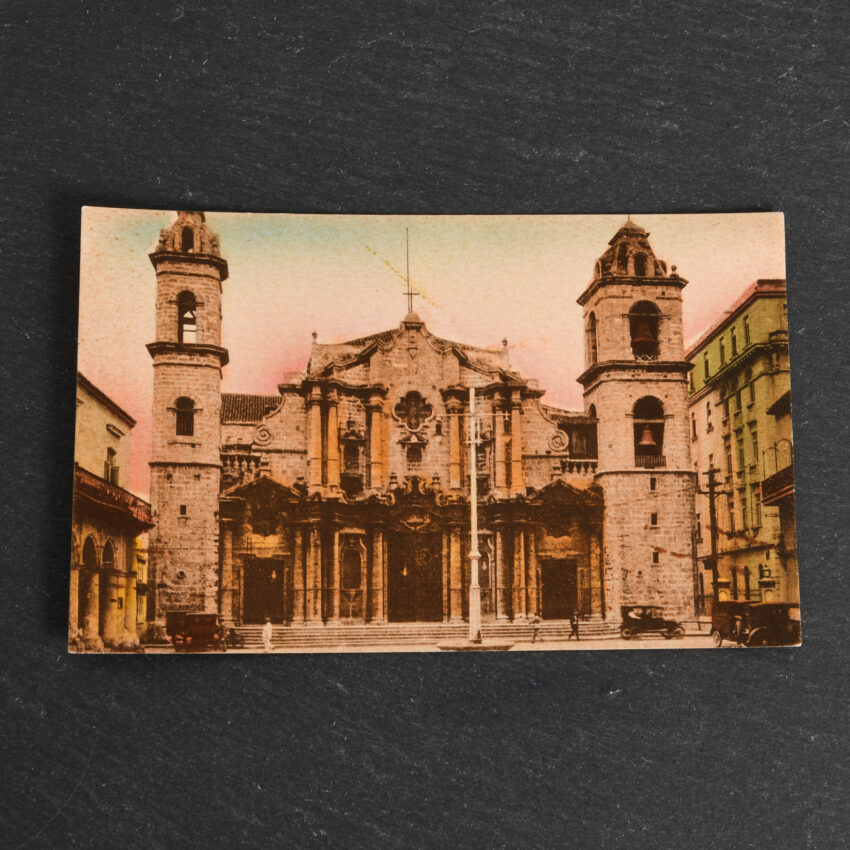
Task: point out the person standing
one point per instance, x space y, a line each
267 635
573 625
535 628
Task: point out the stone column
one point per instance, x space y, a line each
517 482
113 620
91 616
444 562
455 431
500 451
501 591
227 572
519 574
376 445
377 607
130 600
333 441
335 576
314 575
533 587
298 588
314 404
456 579
73 602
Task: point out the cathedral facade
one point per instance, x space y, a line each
344 497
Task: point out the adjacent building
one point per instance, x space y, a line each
343 496
106 609
740 424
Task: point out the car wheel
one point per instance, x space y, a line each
716 637
760 637
677 631
626 634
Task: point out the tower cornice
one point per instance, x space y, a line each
159 257
673 281
650 366
155 348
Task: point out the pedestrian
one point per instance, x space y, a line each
535 628
267 635
573 625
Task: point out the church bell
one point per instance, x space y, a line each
646 439
644 333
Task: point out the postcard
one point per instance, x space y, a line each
358 433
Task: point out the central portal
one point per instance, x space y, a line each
560 597
414 578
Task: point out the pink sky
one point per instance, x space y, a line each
481 278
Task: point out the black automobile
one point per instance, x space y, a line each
193 632
648 619
755 623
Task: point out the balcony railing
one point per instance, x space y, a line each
650 461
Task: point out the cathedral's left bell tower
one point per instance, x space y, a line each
185 457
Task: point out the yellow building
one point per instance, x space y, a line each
105 612
740 376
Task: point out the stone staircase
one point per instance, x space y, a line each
353 635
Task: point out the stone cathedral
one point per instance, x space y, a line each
344 496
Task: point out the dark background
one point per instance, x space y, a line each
414 107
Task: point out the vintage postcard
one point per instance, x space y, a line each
307 433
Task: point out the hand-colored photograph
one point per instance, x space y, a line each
358 433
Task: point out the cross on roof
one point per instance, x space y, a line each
409 292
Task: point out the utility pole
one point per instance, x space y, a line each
474 554
712 519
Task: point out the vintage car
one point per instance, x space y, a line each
192 632
755 623
640 619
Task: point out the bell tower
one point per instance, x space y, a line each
635 384
185 457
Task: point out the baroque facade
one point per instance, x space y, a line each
740 420
344 496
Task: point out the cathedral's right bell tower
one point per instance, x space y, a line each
185 455
635 384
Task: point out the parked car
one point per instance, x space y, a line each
640 619
192 632
755 623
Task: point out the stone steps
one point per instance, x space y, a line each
411 634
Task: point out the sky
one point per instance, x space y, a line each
480 279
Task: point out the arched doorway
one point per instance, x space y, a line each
414 577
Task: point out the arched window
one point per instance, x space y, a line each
734 582
592 349
187 321
187 240
351 570
89 554
648 415
591 411
644 320
640 265
185 417
747 589
108 558
623 258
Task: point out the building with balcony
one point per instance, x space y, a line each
344 495
740 426
107 597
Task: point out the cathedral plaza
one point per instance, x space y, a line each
338 508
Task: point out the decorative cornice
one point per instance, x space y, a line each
155 348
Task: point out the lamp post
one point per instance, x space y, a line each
474 554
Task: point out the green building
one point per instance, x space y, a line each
740 381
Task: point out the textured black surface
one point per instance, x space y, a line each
418 107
